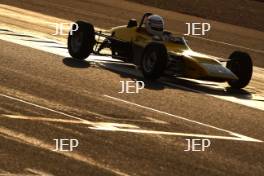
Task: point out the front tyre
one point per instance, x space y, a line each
154 61
81 42
240 64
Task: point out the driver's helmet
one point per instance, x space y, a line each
154 25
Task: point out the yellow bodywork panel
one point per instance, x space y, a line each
197 65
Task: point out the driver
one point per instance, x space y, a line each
154 25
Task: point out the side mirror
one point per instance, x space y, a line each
132 23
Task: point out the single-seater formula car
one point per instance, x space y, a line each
157 52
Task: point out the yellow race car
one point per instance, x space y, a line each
157 52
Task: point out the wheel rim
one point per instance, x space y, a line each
149 62
77 40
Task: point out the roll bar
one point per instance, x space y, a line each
143 18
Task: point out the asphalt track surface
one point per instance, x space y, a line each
44 96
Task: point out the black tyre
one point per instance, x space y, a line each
154 61
81 42
241 65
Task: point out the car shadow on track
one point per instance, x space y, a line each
129 71
211 88
75 63
122 69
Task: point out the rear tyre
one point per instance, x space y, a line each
154 61
240 64
81 42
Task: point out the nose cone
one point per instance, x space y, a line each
211 65
218 71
